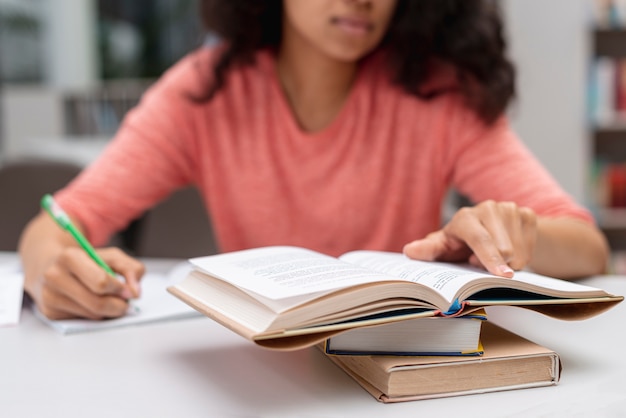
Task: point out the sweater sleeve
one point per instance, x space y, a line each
151 155
490 162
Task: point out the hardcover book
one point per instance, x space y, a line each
435 336
509 362
290 297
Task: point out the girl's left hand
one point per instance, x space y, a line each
498 236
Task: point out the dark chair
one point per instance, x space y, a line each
178 227
22 184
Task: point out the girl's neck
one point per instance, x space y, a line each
315 84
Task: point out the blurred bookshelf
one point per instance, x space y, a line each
607 106
133 44
607 124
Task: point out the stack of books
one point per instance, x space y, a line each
501 361
403 329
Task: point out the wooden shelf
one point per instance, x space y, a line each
610 143
609 42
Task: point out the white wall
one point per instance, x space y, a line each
70 33
32 116
29 112
549 43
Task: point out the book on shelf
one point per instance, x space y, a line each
435 336
509 362
607 93
609 193
290 297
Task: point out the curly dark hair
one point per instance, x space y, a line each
467 34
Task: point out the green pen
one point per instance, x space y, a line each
61 218
64 221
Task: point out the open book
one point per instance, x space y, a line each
509 362
291 297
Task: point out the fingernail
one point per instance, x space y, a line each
127 294
136 290
505 270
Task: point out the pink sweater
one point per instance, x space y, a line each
374 179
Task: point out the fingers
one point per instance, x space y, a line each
428 249
130 268
506 225
75 286
514 231
57 305
91 275
499 222
483 243
499 236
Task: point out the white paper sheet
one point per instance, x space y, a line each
11 293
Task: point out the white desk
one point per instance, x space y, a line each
196 368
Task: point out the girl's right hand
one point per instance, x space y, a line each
74 286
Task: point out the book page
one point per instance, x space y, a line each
448 278
285 272
444 278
